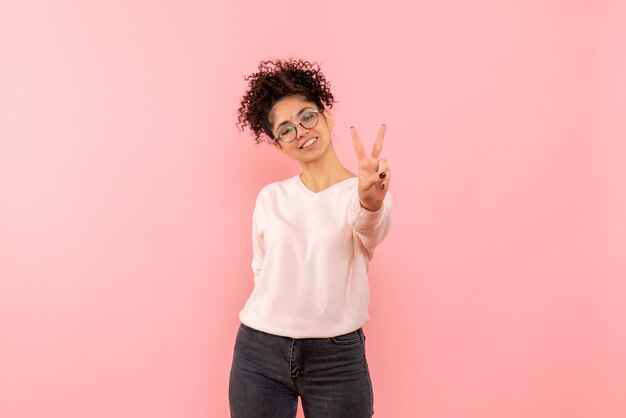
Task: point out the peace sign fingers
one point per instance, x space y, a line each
358 146
373 171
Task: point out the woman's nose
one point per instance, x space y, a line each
300 131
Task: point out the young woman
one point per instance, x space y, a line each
313 237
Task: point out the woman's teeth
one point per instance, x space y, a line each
309 142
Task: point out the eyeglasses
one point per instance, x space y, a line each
308 121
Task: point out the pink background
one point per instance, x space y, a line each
127 194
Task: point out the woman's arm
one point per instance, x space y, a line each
370 226
258 247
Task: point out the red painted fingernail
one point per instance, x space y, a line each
382 175
382 186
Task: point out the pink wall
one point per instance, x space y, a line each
127 194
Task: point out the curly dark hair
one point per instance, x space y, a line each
274 81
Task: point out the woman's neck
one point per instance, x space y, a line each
323 173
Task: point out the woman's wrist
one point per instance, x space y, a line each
369 208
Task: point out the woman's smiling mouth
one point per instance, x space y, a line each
308 143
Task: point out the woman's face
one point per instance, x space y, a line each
290 110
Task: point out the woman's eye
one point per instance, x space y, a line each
307 116
287 130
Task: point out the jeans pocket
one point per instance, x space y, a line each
346 339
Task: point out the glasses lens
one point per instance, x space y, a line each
287 134
309 120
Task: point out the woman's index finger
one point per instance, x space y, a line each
358 147
378 145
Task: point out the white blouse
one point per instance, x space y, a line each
310 259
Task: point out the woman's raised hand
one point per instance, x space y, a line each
373 172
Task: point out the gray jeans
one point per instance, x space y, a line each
269 372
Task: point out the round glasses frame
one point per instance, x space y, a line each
301 123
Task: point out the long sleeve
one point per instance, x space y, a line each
370 227
258 246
